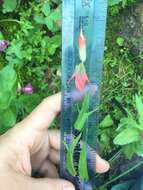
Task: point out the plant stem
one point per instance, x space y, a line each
121 175
10 20
114 157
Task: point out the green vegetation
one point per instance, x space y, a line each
33 56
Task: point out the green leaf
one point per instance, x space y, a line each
127 136
128 121
82 116
46 9
107 121
54 43
15 50
1 36
5 99
83 171
8 78
8 117
39 19
114 2
9 5
70 154
139 107
120 41
49 23
129 150
56 14
81 122
139 148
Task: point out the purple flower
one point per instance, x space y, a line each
28 89
3 45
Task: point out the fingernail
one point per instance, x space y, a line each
107 166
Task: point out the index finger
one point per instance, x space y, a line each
44 114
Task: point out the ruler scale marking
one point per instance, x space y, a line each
91 16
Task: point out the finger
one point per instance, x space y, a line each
54 156
54 139
56 184
44 114
48 169
40 153
50 141
101 165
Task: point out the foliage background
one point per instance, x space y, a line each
33 30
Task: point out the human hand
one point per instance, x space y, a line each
30 146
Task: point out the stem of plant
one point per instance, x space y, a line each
10 20
121 175
114 157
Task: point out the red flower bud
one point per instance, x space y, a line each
80 76
82 47
81 40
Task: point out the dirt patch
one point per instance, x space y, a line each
132 30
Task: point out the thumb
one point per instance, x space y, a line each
48 184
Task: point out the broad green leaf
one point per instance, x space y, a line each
46 9
139 148
5 99
8 117
107 121
9 5
139 107
127 136
70 154
83 170
128 121
8 78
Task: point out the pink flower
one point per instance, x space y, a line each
28 89
3 45
80 76
82 47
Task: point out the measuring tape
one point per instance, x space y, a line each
81 19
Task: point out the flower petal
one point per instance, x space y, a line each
79 83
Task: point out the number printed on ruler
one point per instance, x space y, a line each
86 3
83 21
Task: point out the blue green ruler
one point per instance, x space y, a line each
88 16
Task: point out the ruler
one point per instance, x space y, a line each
88 16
